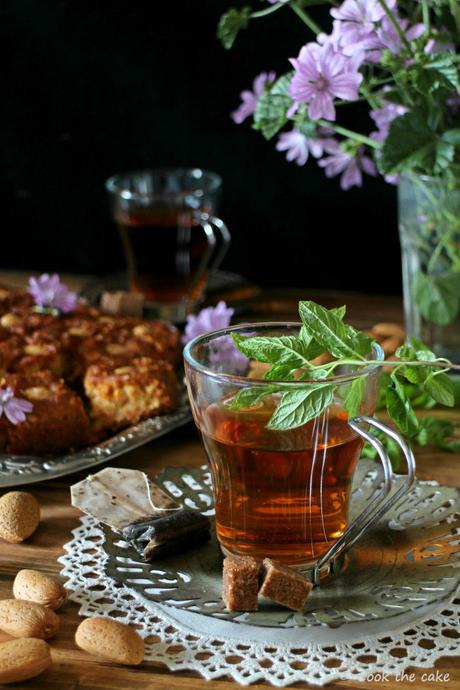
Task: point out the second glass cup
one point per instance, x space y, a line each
170 235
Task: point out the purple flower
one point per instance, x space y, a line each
48 291
383 117
322 74
357 22
349 165
299 146
249 99
14 409
213 319
386 37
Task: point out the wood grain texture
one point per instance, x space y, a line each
73 669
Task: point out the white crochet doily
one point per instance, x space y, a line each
214 646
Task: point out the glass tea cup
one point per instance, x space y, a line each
285 494
170 235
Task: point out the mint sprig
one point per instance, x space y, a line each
291 359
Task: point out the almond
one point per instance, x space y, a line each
23 659
387 330
19 516
111 640
27 619
390 345
31 585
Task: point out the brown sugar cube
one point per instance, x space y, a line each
122 303
284 585
240 583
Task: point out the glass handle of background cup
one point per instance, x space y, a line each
380 502
215 251
221 248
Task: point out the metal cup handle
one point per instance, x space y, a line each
216 250
380 503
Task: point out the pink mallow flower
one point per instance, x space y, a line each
14 409
249 99
213 319
383 117
322 74
49 292
348 165
386 37
357 22
298 146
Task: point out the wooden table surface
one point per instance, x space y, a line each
74 669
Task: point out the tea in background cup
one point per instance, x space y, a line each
170 235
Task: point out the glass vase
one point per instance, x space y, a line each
429 225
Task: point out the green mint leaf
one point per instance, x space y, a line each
399 408
440 387
437 296
286 350
438 431
300 406
231 23
406 353
329 330
246 397
410 144
414 374
279 372
355 396
270 114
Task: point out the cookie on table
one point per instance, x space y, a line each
57 423
156 339
121 395
10 350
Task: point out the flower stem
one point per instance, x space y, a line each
312 25
268 10
356 136
426 14
455 11
395 23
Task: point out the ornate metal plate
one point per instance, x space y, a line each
409 562
21 469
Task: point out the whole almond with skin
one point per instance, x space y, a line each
27 619
23 659
31 585
19 516
388 330
111 640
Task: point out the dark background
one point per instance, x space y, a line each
92 87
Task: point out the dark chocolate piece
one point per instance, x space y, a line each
174 531
240 583
284 585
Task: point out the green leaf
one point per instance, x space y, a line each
329 330
400 409
441 388
410 144
438 297
272 106
246 397
445 67
355 396
286 350
279 372
231 23
300 406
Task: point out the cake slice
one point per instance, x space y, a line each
58 421
121 395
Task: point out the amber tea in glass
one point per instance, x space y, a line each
170 236
279 494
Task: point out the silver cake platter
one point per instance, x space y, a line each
16 470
